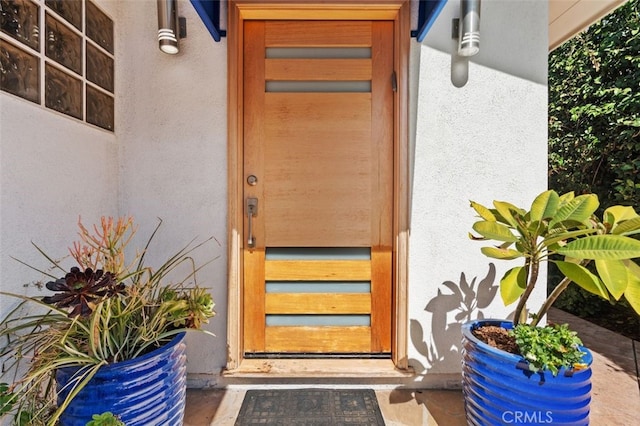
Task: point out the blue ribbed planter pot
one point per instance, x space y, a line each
499 389
146 391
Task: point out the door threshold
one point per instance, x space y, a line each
317 368
314 355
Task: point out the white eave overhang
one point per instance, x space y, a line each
569 17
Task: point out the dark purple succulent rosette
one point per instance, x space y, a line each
81 290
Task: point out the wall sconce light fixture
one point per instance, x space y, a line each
170 28
467 28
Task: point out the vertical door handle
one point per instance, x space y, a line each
252 210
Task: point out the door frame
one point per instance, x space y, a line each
393 10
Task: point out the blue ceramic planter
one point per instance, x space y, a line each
499 389
149 390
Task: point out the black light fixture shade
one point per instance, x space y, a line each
469 28
167 26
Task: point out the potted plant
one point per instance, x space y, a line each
109 342
542 373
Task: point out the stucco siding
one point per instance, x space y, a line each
172 114
481 134
53 169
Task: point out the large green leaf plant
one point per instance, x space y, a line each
565 230
565 226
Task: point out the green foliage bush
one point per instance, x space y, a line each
550 347
594 123
594 110
105 419
5 399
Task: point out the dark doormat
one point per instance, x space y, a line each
310 407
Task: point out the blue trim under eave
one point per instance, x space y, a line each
209 11
428 11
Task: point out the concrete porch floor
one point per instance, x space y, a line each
615 394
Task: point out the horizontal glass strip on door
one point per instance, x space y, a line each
318 320
318 253
318 287
318 86
318 52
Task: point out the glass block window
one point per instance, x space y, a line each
59 54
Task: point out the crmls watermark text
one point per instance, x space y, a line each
527 417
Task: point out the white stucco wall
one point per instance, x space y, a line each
482 139
166 159
53 169
172 116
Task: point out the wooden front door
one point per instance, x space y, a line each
318 187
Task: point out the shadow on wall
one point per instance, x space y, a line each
513 39
454 305
463 302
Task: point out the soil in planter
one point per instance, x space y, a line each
497 337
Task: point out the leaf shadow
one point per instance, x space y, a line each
454 305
